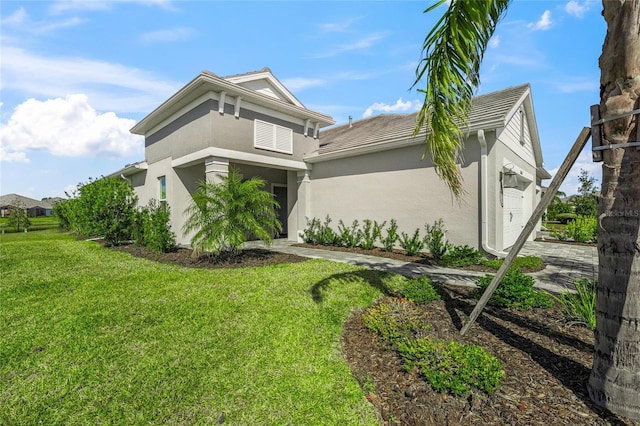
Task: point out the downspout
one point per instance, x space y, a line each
126 179
484 205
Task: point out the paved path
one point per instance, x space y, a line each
565 263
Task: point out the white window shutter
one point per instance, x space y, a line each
273 137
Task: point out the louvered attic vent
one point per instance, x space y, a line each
273 137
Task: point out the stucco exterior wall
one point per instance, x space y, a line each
396 184
204 126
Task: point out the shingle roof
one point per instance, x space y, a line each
489 109
9 200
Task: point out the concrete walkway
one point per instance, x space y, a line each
565 263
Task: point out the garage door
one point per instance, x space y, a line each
512 221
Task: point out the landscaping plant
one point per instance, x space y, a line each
515 291
580 306
152 228
222 215
411 244
461 256
370 232
349 235
435 239
18 218
420 290
391 237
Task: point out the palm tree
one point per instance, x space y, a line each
452 53
223 215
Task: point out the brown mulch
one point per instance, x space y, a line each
183 257
546 361
547 364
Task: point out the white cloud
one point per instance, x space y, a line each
67 127
577 9
494 43
164 36
571 184
300 83
361 44
16 18
337 27
399 106
111 87
577 84
543 24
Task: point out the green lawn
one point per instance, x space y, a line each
37 223
93 336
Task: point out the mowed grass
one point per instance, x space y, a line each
93 336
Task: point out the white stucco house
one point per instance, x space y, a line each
367 169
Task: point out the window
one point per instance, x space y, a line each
273 137
162 185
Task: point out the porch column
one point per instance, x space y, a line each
215 168
303 203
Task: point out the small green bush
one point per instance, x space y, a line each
435 239
370 232
349 236
452 367
583 229
152 228
515 291
420 290
581 306
391 236
412 245
461 256
394 320
320 233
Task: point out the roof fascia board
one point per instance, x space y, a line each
218 84
244 157
272 80
191 105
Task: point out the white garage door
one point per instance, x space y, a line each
512 221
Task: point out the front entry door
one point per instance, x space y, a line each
280 195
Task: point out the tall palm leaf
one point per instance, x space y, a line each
222 215
452 53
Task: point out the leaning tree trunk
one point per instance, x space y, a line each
615 378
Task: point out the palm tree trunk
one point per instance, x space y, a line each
615 379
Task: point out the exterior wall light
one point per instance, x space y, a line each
509 179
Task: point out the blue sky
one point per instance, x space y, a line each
76 75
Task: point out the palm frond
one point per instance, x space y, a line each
451 56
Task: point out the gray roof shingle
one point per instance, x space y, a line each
489 108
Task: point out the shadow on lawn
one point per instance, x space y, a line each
375 279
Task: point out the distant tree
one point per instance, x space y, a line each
586 204
18 217
223 215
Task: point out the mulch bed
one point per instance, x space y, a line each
546 361
184 257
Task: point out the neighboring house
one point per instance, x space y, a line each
368 169
34 208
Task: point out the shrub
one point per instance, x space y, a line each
326 235
412 245
104 208
435 239
371 231
522 263
391 236
461 256
311 234
452 367
222 215
64 210
515 291
152 229
583 229
581 306
420 290
349 236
